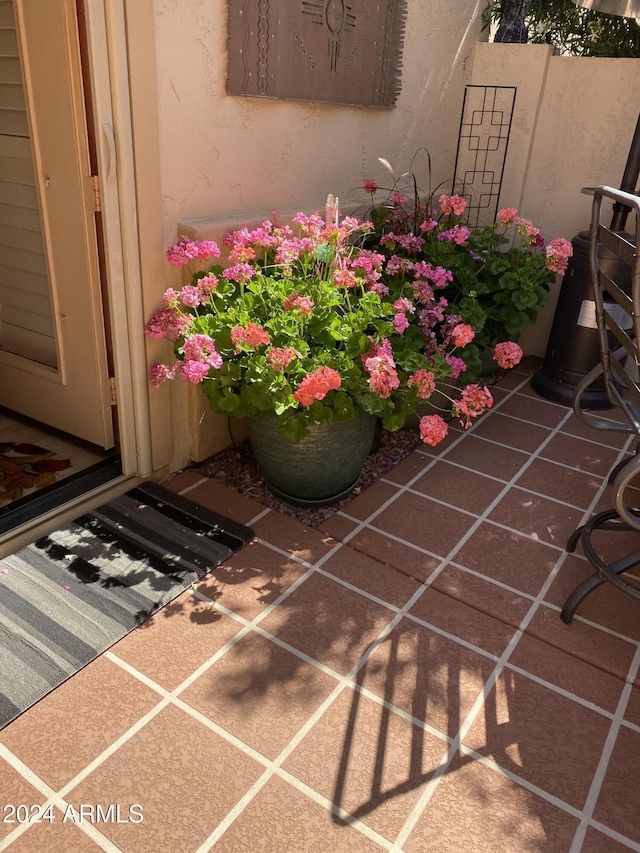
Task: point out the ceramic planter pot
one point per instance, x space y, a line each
321 469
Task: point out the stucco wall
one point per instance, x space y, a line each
228 157
573 123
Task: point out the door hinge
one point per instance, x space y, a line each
96 193
114 393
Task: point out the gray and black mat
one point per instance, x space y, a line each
71 595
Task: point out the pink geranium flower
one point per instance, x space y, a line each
250 336
558 252
280 358
462 334
160 373
316 385
507 215
507 354
297 302
452 204
425 383
433 429
472 403
185 250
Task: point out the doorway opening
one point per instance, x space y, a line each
59 426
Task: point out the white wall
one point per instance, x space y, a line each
573 123
224 158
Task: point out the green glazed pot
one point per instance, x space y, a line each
321 469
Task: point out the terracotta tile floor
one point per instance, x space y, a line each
399 679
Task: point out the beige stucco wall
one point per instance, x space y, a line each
227 157
573 123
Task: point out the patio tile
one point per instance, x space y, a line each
483 595
182 480
474 809
338 527
184 776
567 672
534 410
226 501
537 516
511 432
76 722
598 842
281 818
519 562
174 642
590 644
458 487
605 605
15 790
488 457
511 380
372 576
410 467
583 455
402 557
260 692
617 805
374 763
328 622
462 621
56 834
371 500
557 481
499 393
423 522
541 736
301 541
576 428
632 713
250 579
429 676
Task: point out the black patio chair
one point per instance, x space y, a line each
617 314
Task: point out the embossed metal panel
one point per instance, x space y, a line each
329 51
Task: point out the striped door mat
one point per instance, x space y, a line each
71 595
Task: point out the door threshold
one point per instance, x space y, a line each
29 510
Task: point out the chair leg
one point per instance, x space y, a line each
623 462
593 581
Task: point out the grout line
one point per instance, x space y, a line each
469 720
490 764
188 709
308 725
605 630
616 836
266 511
425 798
605 758
51 798
632 726
555 688
193 486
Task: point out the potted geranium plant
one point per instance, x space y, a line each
496 278
296 333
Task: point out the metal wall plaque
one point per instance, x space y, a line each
330 51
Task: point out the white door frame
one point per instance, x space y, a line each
107 47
